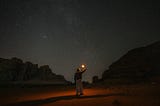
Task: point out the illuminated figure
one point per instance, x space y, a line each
78 80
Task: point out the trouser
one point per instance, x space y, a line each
79 86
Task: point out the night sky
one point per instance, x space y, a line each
67 33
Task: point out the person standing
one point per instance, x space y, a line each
78 80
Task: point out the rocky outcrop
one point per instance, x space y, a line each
140 64
9 69
95 79
14 70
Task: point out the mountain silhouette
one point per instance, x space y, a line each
137 65
15 70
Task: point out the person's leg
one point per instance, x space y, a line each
81 88
77 87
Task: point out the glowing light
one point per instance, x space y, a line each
83 66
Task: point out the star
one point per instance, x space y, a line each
43 35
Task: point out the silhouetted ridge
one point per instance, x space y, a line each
138 65
15 70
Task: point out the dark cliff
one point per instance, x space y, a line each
138 65
14 70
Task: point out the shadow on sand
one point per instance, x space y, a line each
59 98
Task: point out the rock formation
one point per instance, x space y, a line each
140 64
95 79
14 70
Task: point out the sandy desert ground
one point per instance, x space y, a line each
131 95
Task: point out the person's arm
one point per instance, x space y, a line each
83 70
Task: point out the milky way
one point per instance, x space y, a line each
67 33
